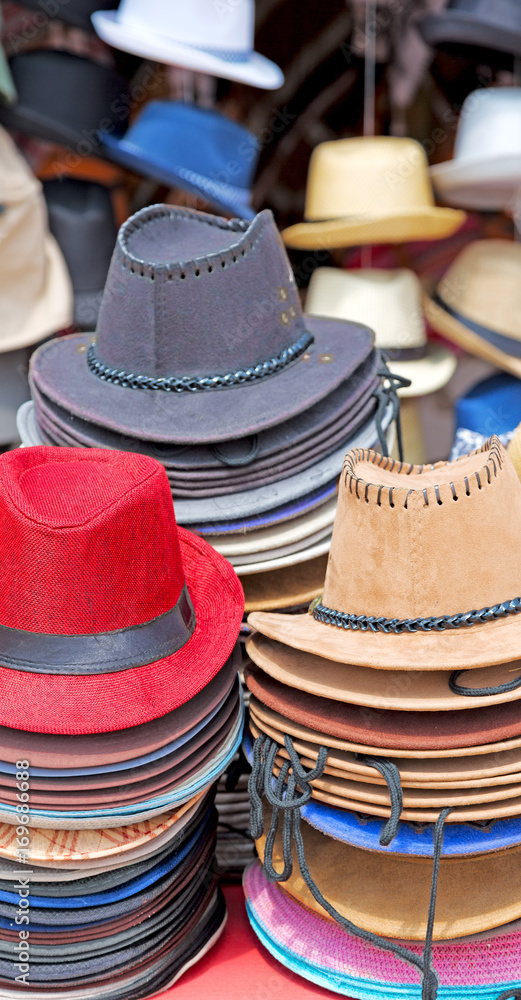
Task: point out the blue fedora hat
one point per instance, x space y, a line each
193 148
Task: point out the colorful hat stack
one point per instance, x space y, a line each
386 729
121 707
203 359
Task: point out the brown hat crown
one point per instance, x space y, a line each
419 542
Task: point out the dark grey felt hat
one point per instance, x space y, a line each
200 336
81 219
490 24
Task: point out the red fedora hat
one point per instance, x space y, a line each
110 615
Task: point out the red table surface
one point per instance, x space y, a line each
238 967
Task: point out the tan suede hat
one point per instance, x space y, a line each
477 304
402 690
474 894
370 190
424 571
333 736
435 772
37 295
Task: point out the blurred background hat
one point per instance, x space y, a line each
390 303
485 24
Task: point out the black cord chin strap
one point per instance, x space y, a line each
284 798
480 692
385 393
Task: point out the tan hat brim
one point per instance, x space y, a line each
285 588
427 374
54 309
495 643
389 894
358 794
422 772
458 333
298 730
400 690
405 227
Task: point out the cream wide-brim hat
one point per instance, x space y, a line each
390 303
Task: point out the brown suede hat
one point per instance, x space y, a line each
423 772
406 690
265 717
474 894
403 731
424 571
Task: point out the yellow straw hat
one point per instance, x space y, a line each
370 190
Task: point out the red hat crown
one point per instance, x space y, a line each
88 541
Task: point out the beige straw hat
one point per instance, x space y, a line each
477 304
390 303
37 297
370 190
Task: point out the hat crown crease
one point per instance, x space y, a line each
192 295
425 542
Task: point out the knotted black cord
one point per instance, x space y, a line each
481 692
264 753
386 394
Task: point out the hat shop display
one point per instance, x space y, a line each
121 707
260 500
392 699
252 430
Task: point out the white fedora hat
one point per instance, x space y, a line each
390 302
211 36
485 172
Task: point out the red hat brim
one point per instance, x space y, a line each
100 703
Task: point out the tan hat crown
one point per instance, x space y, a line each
484 285
419 542
370 176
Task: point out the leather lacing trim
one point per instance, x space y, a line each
395 494
208 263
438 623
292 791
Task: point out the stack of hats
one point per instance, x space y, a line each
121 707
388 719
36 297
203 359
